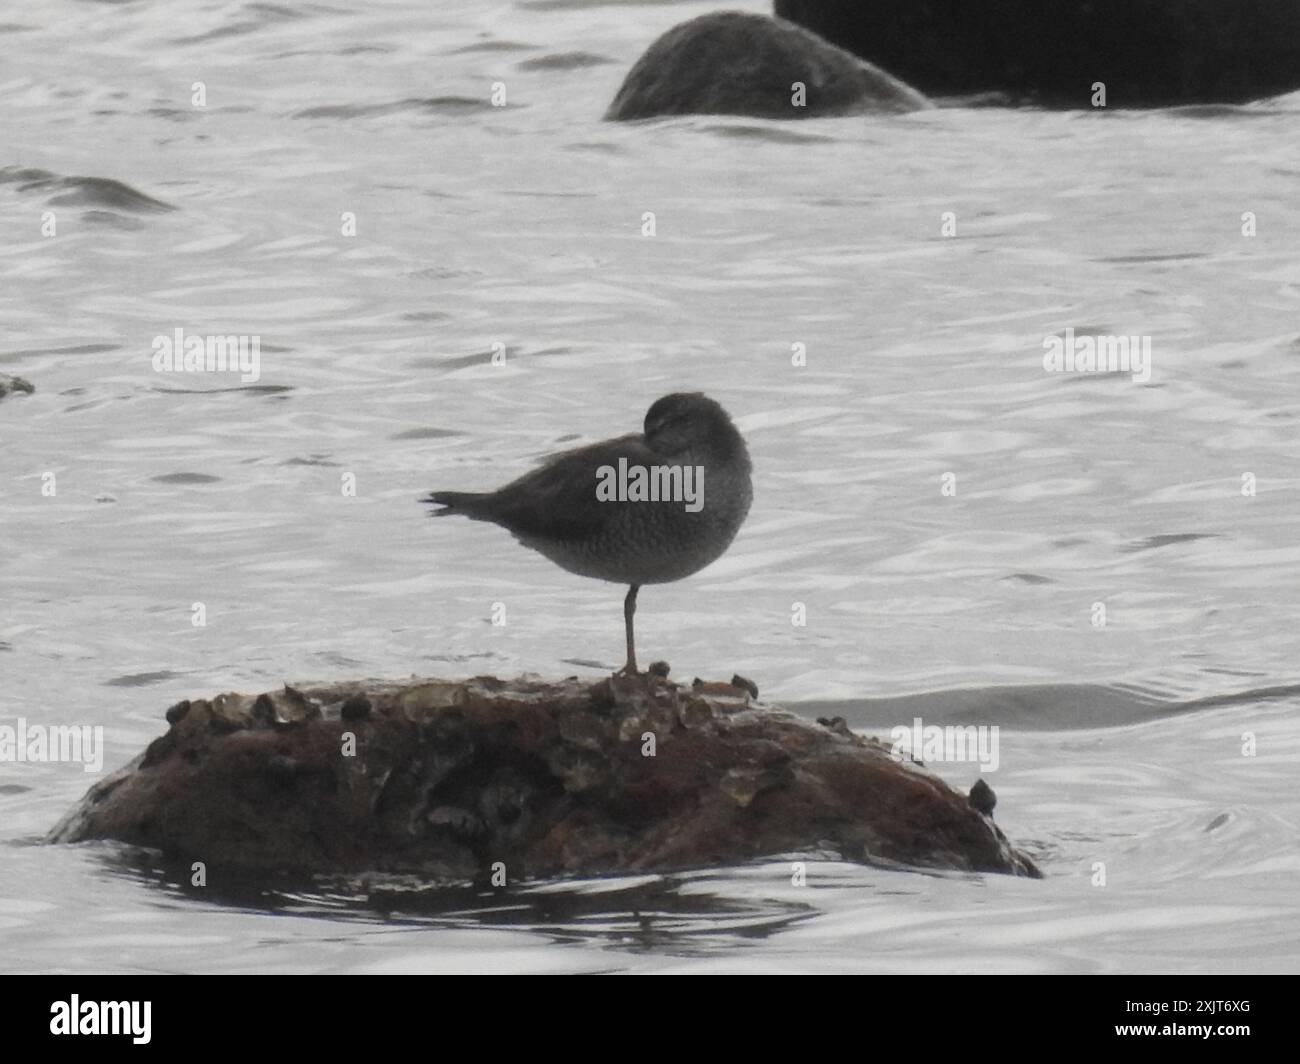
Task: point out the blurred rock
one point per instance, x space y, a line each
742 64
1148 53
982 799
11 385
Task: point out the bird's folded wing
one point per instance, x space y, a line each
559 499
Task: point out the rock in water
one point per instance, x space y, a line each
1147 53
14 385
457 781
743 64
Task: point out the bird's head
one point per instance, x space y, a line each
689 421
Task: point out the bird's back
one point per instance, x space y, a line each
556 510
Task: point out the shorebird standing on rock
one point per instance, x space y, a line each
647 508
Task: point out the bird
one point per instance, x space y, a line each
646 508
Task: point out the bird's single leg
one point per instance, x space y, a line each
629 609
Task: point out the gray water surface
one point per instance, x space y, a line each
1121 745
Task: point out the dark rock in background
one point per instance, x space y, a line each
14 385
444 780
1149 53
743 64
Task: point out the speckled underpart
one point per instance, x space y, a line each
658 542
445 780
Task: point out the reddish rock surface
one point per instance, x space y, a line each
446 780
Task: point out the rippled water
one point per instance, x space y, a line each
521 226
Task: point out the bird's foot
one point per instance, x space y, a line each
656 668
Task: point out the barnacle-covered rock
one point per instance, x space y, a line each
451 781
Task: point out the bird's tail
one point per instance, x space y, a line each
465 503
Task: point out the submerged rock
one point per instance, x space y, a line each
743 64
1148 53
525 779
10 385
